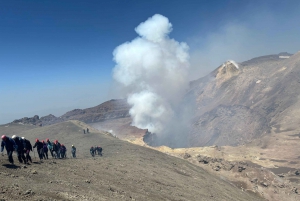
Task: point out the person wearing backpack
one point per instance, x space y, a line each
99 150
20 150
10 146
57 148
63 151
54 148
39 146
28 148
92 151
50 146
73 150
45 147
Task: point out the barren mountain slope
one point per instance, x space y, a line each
125 172
108 110
112 115
237 105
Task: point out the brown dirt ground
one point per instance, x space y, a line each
124 172
271 164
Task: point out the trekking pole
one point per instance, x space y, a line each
34 154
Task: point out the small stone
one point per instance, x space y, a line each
186 156
28 192
264 184
241 168
254 180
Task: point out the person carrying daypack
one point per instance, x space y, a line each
45 147
57 148
20 150
50 146
40 148
28 148
73 150
63 151
10 146
92 151
99 150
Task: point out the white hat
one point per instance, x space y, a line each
23 138
14 137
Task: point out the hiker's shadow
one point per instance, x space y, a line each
11 166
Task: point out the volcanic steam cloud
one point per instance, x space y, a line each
152 70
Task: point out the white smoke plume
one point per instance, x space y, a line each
153 72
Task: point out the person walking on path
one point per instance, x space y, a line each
99 150
92 151
87 130
39 146
57 148
10 146
28 148
50 146
45 147
73 150
20 148
63 151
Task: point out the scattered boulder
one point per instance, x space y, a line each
28 192
217 168
280 175
254 180
186 156
203 159
241 168
264 184
295 190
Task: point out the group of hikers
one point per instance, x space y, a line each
96 150
87 130
23 147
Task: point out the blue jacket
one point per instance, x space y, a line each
9 144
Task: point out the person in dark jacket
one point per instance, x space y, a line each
92 151
99 150
57 148
45 147
10 146
39 147
63 151
20 150
28 148
73 150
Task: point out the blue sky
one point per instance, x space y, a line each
57 55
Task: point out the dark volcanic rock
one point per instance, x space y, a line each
29 120
112 109
50 119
